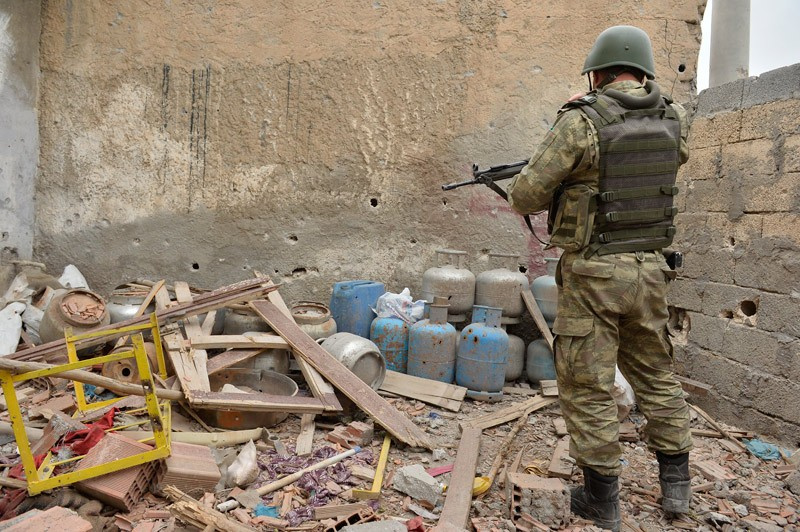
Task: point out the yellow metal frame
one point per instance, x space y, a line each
41 479
375 492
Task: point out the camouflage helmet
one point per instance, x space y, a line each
621 46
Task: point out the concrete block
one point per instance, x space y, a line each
778 194
413 480
782 226
703 163
779 84
686 294
389 525
715 195
771 119
755 159
716 130
706 331
778 312
56 519
545 499
715 265
752 347
769 264
790 152
722 300
725 97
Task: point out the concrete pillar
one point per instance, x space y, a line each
20 26
730 41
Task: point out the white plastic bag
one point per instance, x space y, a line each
10 327
623 395
20 290
73 278
32 319
391 305
244 470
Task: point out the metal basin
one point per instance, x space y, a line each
263 381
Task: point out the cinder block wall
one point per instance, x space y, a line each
737 301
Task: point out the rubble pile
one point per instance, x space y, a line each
204 428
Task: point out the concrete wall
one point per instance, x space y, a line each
19 129
739 294
201 140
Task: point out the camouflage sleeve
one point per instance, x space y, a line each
567 147
683 116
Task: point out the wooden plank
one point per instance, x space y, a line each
711 421
235 293
345 381
191 325
426 390
338 510
256 402
558 467
305 440
458 502
549 388
538 318
237 341
230 358
510 413
208 323
319 387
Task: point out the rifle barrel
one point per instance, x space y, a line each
451 186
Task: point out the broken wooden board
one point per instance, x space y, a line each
559 467
198 357
304 347
538 317
305 440
319 387
230 358
560 425
692 386
235 293
255 402
236 341
549 388
437 393
458 502
510 413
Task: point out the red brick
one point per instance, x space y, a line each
57 519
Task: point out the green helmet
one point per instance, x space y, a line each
623 46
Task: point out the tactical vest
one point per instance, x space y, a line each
639 140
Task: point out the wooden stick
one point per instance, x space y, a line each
493 419
191 511
504 447
718 427
538 317
86 377
305 440
459 493
139 311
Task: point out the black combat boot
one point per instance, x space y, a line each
673 473
597 499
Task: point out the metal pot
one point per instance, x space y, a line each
124 302
80 309
314 318
359 355
262 381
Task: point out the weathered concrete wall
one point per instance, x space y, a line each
308 140
739 228
19 130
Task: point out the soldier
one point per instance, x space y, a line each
613 155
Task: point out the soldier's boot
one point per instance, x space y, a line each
673 474
597 499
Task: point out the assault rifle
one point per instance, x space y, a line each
490 175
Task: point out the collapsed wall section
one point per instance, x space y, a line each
737 301
201 140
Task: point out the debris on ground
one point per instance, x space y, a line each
164 419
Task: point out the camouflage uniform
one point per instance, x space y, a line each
612 309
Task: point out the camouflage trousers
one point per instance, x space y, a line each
612 309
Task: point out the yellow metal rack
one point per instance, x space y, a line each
41 479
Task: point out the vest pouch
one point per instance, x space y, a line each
574 218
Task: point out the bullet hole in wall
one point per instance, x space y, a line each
413 240
292 238
748 308
195 266
373 202
733 241
444 202
681 68
523 269
727 314
299 271
678 324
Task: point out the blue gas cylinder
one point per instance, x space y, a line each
483 353
432 345
351 305
539 364
391 337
